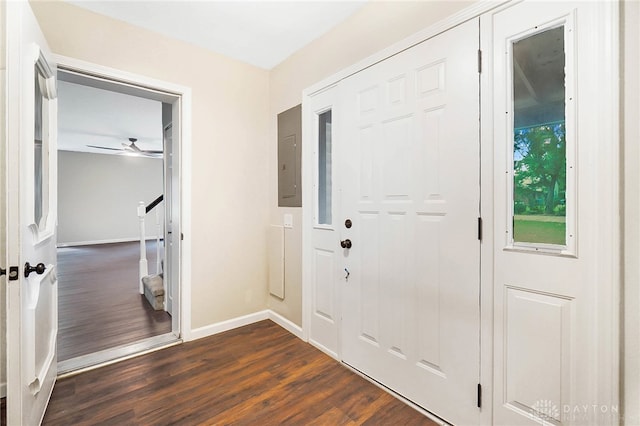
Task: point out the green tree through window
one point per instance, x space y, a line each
540 183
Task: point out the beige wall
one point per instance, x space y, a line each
377 25
229 146
98 196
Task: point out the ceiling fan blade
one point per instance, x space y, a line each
105 147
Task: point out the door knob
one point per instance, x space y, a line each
345 244
38 269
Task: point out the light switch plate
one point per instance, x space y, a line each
288 221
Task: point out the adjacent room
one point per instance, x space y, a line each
110 159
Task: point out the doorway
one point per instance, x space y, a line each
104 313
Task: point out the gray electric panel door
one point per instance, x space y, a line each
289 157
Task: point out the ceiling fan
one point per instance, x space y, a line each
132 147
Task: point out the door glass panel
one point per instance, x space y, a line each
324 168
539 139
39 152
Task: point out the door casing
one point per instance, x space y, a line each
180 99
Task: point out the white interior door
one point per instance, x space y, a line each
168 219
555 209
32 310
410 185
173 209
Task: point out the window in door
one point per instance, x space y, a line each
540 193
324 168
44 91
37 153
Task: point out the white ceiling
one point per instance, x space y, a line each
90 116
261 33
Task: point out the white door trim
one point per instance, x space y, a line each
606 41
183 92
631 234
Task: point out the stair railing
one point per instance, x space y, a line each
143 267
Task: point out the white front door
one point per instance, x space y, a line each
555 212
32 296
410 185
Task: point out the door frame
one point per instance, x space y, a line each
181 108
631 192
608 372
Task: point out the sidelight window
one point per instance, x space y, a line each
324 168
539 139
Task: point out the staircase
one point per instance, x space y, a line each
151 285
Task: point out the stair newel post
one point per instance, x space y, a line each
143 267
158 258
158 233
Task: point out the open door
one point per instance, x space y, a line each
169 266
32 292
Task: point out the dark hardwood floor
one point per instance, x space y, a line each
255 375
99 305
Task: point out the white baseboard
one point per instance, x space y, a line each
3 390
324 349
111 241
291 327
220 327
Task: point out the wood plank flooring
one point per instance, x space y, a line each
255 375
99 305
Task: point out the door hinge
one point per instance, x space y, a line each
480 228
181 236
479 61
479 395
